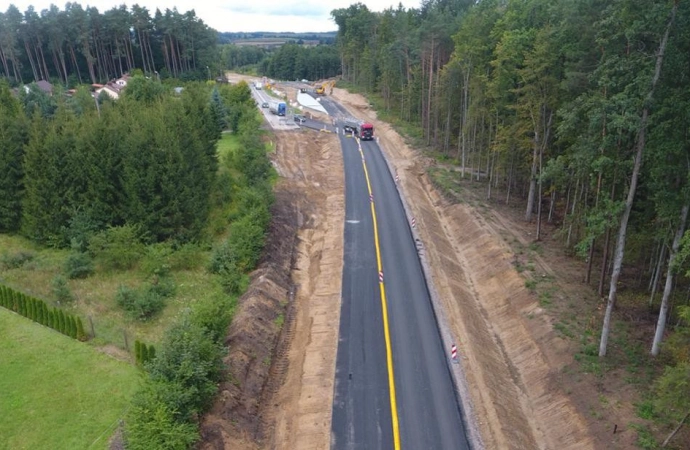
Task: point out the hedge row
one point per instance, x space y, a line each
37 310
143 353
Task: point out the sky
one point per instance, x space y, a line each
242 15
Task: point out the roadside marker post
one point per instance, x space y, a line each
381 276
414 222
454 353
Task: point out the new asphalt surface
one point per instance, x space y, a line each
427 411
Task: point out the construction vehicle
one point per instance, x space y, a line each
320 89
364 130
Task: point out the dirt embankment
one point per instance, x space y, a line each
281 344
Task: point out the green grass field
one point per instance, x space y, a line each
55 392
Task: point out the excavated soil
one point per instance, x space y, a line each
518 371
280 388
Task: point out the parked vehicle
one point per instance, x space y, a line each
299 118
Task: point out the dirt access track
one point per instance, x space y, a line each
283 342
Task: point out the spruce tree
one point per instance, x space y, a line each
144 354
52 321
13 137
81 335
61 321
137 351
71 327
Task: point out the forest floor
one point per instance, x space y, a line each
524 321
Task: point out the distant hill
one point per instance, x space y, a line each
265 38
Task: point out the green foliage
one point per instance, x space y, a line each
295 62
214 315
61 290
152 424
117 248
140 304
78 265
672 391
16 260
13 136
81 334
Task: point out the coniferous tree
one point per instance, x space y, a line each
81 335
13 137
137 351
144 354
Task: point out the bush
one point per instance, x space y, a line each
151 424
78 265
214 315
222 259
61 290
155 261
233 281
140 305
16 260
246 241
117 248
163 286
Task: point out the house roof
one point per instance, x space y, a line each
45 86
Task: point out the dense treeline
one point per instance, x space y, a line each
77 45
578 108
147 160
290 61
295 62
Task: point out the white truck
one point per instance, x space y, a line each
258 85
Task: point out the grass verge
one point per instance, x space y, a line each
58 393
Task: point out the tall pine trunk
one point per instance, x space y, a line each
620 245
663 312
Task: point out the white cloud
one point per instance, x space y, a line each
245 15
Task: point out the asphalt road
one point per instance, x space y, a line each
427 409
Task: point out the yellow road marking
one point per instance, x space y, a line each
384 308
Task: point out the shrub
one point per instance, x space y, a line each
163 286
61 290
117 248
246 241
137 351
222 259
152 424
214 315
16 260
140 305
78 265
81 334
155 261
233 281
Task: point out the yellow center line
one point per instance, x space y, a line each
384 308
